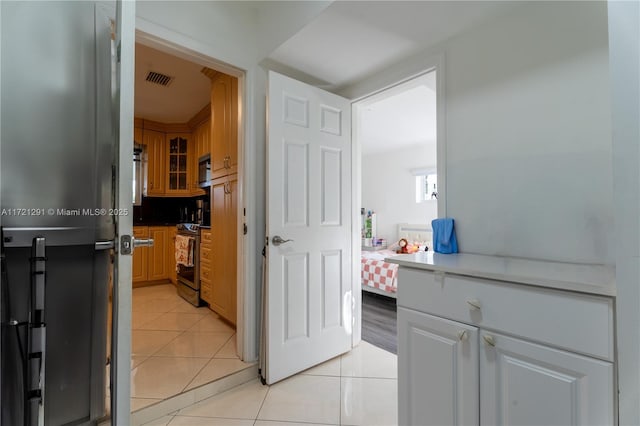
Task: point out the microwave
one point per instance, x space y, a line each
204 171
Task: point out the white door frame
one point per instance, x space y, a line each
245 325
435 63
121 320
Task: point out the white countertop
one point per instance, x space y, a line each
584 278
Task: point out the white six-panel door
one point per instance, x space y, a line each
308 292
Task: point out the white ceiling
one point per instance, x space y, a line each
399 117
351 40
187 94
345 43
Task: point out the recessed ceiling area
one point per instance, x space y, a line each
187 93
397 118
351 40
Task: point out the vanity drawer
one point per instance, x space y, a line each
578 322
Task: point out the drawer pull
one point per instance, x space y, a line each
489 340
463 335
474 304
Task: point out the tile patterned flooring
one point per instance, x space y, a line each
357 388
176 346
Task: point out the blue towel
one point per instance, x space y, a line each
444 236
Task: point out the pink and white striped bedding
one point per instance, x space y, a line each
377 273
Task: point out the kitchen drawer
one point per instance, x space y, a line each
205 253
573 321
205 236
205 291
205 273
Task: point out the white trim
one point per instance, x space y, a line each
121 321
624 66
356 250
434 63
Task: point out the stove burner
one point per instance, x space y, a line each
192 227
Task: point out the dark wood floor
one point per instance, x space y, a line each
379 321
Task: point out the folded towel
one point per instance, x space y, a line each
184 250
444 236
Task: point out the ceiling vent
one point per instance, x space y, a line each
157 78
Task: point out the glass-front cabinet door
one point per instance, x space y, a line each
178 172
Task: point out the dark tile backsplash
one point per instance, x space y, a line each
161 210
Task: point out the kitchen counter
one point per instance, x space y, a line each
584 278
152 223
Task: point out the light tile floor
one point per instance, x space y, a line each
176 346
357 388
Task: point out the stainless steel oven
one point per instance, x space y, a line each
189 276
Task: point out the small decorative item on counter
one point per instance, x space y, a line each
406 248
444 236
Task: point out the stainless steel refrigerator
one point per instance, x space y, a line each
57 158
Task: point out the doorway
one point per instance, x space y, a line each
180 345
396 137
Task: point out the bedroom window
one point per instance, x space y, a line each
426 187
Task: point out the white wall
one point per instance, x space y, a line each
389 188
528 117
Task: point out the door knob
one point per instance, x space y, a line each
142 243
277 240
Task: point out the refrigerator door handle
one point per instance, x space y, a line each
105 245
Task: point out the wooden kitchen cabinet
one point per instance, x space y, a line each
224 125
224 199
153 263
156 162
179 155
205 266
158 253
140 262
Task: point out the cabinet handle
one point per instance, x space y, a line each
151 185
474 304
463 335
489 340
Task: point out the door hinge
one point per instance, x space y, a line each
245 229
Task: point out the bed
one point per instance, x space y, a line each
379 276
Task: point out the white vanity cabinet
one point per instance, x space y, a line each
522 383
438 373
477 351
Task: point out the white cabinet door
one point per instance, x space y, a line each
437 371
528 384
